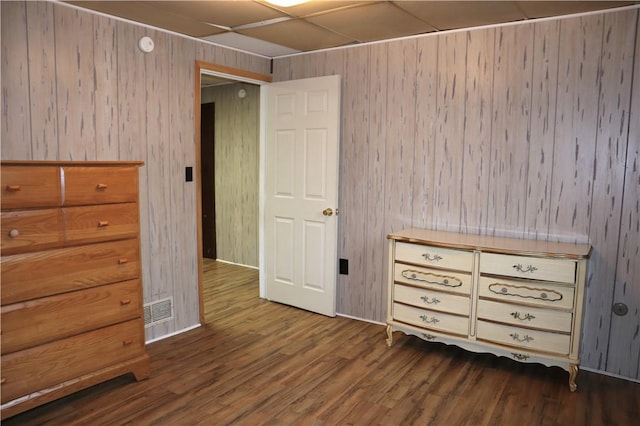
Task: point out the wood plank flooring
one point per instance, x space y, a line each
256 362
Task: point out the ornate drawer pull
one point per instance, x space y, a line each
525 292
14 233
432 258
516 337
122 261
101 186
520 357
529 268
429 336
3 381
426 319
127 342
433 300
526 317
13 188
124 302
103 223
432 278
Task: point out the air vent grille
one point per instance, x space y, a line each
158 311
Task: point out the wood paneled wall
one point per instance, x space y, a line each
527 130
237 125
76 87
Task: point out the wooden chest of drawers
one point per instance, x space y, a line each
71 291
516 298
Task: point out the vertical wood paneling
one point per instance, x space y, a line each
477 131
400 122
622 165
576 118
42 78
374 244
16 117
354 163
449 135
105 51
184 250
75 80
543 113
426 122
510 130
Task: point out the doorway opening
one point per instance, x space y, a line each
237 85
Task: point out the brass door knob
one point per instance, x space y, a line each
327 212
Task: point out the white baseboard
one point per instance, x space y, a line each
184 330
237 264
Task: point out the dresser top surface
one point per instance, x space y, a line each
69 163
492 244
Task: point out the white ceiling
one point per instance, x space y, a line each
259 27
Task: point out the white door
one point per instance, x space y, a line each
302 135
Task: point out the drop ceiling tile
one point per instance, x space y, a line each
250 44
447 15
226 13
313 7
144 13
373 21
297 34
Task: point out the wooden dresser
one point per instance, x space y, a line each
71 283
520 299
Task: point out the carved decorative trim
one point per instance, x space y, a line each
431 278
525 292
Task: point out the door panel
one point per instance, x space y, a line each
301 183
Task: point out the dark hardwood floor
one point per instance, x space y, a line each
257 362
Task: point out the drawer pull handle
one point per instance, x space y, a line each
3 381
432 258
13 188
124 302
525 292
127 342
122 261
101 186
431 278
429 320
526 338
103 223
526 317
529 268
433 301
429 336
14 233
520 357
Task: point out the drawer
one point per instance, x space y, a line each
522 338
434 256
33 275
39 321
527 293
24 187
89 224
431 319
534 268
51 364
431 299
28 230
432 278
100 185
525 316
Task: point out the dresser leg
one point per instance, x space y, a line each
389 335
573 373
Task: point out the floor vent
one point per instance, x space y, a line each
158 311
